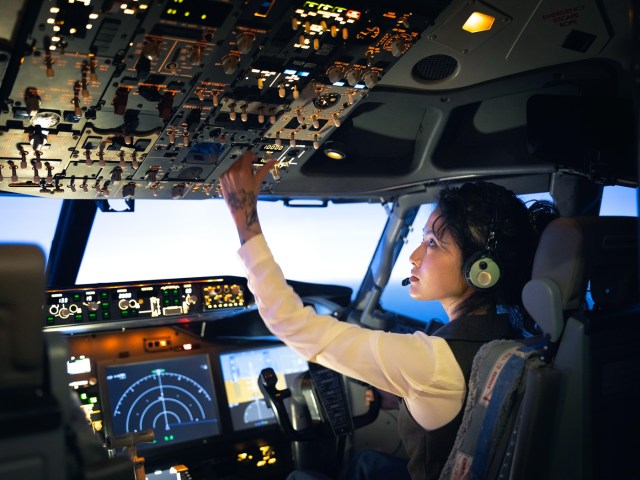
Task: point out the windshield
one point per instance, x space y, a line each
170 239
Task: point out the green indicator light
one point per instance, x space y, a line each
92 316
170 437
158 371
76 296
83 396
125 313
93 400
51 320
106 315
165 292
78 316
166 438
166 301
176 301
104 295
175 291
105 304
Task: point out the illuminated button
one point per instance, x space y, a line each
106 315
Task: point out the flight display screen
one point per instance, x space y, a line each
240 371
174 395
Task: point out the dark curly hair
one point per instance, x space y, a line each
469 213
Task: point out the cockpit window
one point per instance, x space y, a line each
29 220
622 201
183 239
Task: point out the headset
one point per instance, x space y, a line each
481 270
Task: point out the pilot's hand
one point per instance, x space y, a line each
240 189
389 400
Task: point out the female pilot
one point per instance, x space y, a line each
472 224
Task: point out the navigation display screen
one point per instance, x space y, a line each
240 371
174 396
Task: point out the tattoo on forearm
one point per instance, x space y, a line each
245 203
241 200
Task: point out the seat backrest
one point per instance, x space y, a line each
31 434
558 406
584 294
43 436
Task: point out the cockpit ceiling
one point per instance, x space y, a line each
114 99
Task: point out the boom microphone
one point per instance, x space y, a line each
406 281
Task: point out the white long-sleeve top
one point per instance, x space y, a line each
417 367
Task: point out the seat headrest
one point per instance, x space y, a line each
574 251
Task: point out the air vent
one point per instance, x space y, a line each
435 67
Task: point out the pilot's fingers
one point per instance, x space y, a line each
264 170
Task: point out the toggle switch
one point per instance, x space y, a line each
93 65
335 73
245 42
49 62
128 191
32 101
370 79
177 192
195 56
14 171
165 106
353 77
230 64
119 101
38 139
49 167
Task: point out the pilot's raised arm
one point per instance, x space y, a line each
430 372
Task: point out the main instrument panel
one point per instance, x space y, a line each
139 99
94 307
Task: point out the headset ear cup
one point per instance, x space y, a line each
481 271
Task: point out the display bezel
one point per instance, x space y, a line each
180 363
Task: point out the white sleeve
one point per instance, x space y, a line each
418 367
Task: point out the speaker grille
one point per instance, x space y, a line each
435 67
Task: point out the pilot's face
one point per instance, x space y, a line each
437 267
